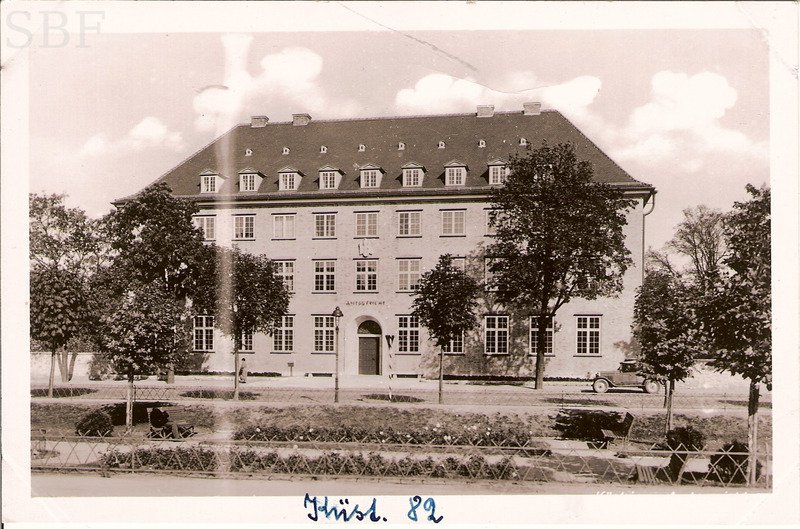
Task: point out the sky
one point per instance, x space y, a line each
685 110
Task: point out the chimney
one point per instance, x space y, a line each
532 109
257 122
485 111
300 120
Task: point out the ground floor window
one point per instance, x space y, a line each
247 341
323 334
204 333
408 334
548 337
283 337
496 339
456 345
588 335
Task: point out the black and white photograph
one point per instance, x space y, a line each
400 263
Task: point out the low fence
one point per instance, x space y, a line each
534 460
453 395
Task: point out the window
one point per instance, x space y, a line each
456 345
408 274
454 176
362 147
327 180
441 145
324 276
366 275
412 177
204 333
323 334
248 152
283 336
481 144
523 141
243 227
285 270
491 220
548 348
497 174
408 223
369 178
285 150
247 182
460 263
496 335
283 226
325 225
408 334
401 146
367 224
247 341
208 183
323 149
453 222
588 335
208 227
288 182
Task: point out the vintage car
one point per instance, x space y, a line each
626 376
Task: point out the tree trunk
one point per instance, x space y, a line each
441 372
73 357
236 374
752 433
670 389
52 374
129 401
62 366
541 343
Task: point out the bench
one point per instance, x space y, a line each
620 432
165 431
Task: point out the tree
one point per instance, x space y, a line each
58 312
736 311
664 324
559 235
145 330
445 304
252 299
700 237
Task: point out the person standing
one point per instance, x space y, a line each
243 371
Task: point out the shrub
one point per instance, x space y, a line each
681 441
100 367
96 423
586 425
729 465
180 458
224 394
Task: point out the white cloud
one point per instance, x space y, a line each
438 93
288 79
683 119
151 132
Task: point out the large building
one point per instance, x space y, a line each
353 211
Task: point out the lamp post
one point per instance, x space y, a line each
337 313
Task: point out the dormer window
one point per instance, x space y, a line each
248 182
481 144
286 150
455 176
498 173
362 147
412 175
248 152
208 183
371 176
401 146
288 179
441 145
323 149
523 141
327 180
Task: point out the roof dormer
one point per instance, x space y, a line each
370 176
289 178
209 181
329 177
413 173
455 173
249 180
498 171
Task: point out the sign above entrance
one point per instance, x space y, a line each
363 303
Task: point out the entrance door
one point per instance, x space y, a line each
368 356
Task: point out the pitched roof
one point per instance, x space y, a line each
421 135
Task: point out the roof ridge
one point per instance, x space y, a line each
412 116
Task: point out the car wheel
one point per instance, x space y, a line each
600 385
651 386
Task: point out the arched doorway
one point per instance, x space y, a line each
369 348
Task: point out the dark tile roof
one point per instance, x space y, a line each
421 135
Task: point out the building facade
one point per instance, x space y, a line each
354 211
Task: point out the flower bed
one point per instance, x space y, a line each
178 458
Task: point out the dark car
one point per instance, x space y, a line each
626 376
